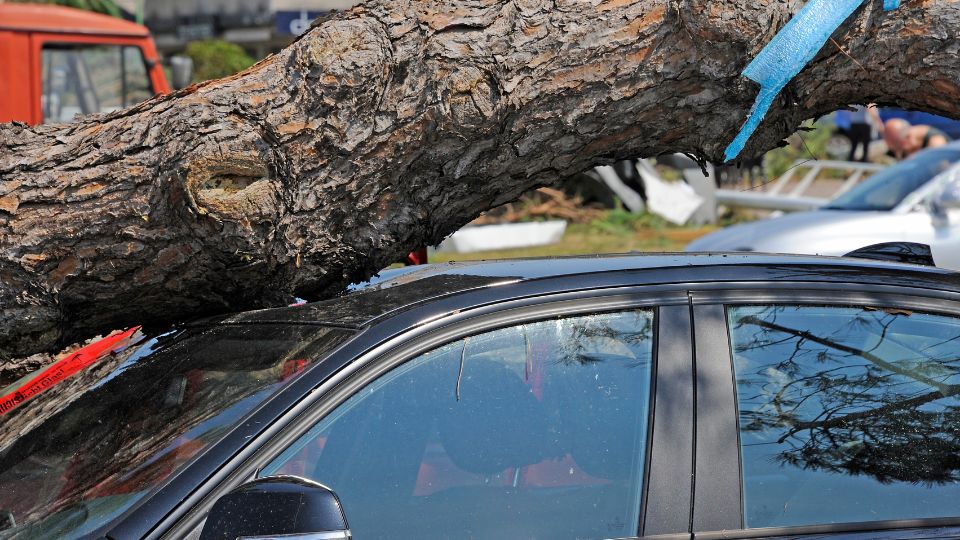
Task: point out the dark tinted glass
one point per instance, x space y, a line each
534 431
83 451
889 187
847 414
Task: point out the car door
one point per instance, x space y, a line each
565 419
827 412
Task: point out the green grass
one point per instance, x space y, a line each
618 232
621 222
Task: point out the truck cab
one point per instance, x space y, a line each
57 62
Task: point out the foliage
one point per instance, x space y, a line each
733 216
810 142
107 7
584 239
621 221
215 59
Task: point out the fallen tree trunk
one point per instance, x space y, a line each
390 126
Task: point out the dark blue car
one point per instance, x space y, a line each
663 396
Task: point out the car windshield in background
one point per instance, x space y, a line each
84 451
889 187
91 78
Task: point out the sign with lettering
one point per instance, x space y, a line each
65 367
295 22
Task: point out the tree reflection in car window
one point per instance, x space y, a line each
846 414
532 431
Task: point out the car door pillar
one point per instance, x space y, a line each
670 484
717 492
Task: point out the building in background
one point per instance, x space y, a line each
259 26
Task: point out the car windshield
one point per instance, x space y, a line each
87 448
86 79
889 187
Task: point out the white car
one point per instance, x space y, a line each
917 200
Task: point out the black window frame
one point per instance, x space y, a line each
668 437
718 508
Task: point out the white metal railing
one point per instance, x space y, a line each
772 196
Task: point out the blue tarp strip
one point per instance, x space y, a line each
788 53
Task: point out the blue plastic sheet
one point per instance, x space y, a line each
788 53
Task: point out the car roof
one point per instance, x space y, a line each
398 290
64 20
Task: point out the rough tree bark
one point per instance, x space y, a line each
391 125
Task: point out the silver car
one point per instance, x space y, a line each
917 200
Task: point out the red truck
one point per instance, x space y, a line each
56 62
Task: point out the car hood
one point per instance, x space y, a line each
822 232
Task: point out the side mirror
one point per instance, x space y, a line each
945 200
267 508
181 70
949 196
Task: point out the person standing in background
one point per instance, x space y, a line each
864 123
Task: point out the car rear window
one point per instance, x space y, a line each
86 449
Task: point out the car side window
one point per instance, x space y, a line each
847 414
532 431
